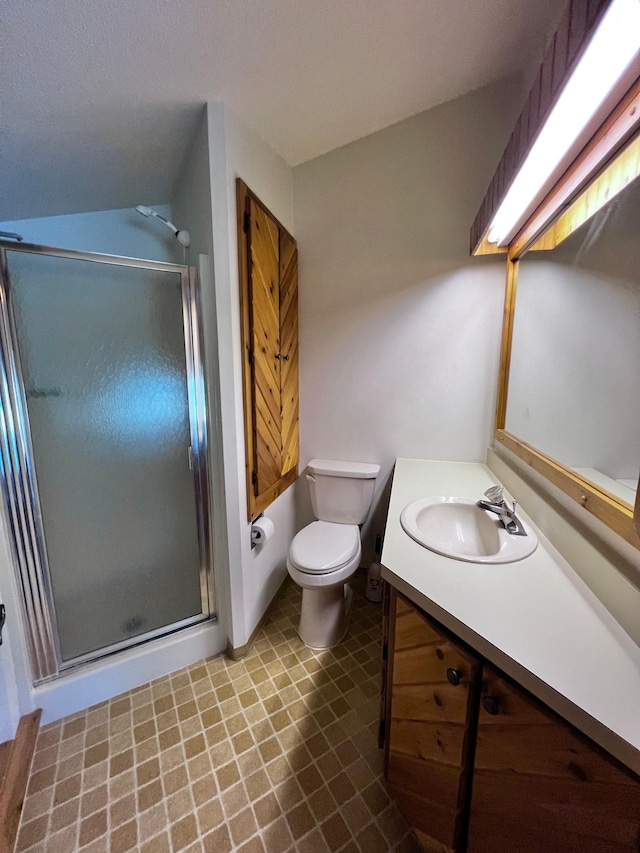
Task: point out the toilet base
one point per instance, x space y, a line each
324 616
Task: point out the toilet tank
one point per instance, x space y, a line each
341 491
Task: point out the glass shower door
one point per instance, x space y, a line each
108 385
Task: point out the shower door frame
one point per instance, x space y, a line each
21 504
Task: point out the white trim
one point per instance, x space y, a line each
128 669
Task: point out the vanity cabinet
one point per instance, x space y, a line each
477 764
539 785
432 696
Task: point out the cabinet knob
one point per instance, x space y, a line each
454 676
490 705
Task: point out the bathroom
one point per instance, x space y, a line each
399 327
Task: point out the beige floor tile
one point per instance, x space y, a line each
275 753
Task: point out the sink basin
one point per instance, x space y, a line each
457 528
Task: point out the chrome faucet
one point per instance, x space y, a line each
497 504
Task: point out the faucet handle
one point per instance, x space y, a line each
494 494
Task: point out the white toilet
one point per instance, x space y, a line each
326 553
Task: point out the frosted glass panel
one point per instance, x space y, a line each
103 361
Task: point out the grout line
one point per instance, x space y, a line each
216 683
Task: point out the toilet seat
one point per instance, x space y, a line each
324 546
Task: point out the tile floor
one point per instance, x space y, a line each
271 754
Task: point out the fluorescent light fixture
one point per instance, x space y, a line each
614 44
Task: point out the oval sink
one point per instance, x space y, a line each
457 528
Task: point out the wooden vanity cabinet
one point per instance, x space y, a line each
540 785
432 690
483 766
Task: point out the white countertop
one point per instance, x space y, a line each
535 618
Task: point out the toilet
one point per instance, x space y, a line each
325 554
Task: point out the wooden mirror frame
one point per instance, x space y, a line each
618 172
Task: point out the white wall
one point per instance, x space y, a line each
112 232
191 206
399 327
15 698
190 196
9 707
235 151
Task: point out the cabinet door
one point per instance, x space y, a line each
538 785
268 276
429 724
265 321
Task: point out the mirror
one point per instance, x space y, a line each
574 379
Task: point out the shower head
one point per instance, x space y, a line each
182 237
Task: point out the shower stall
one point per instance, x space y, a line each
103 447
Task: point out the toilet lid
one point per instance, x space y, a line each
323 546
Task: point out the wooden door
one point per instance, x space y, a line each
430 726
264 251
268 277
538 785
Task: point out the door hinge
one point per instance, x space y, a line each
247 221
250 356
254 478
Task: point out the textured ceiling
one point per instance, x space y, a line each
99 98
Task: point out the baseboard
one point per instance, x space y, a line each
239 652
16 776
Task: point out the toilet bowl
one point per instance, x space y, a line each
325 554
322 558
